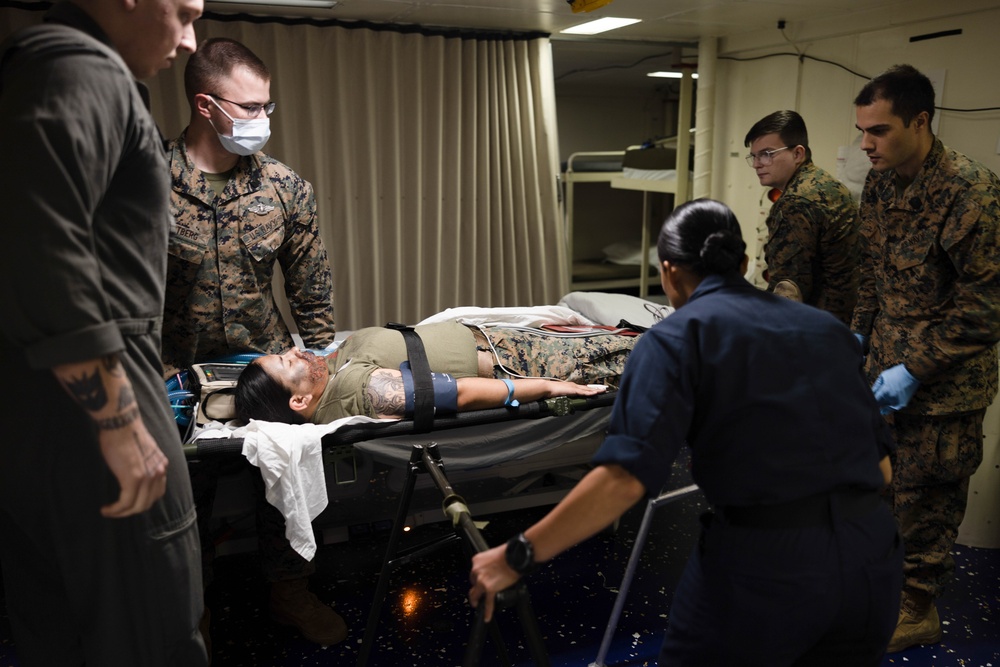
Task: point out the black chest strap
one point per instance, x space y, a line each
423 384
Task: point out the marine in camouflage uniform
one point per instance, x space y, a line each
222 256
238 212
219 296
930 299
812 245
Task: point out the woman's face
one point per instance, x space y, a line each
296 370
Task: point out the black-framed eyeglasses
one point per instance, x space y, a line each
253 110
765 157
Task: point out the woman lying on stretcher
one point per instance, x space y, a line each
473 370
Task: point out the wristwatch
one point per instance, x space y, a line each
520 555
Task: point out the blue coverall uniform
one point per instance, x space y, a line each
800 561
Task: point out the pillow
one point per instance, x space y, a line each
610 309
630 254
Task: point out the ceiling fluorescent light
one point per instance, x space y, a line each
313 4
600 25
671 75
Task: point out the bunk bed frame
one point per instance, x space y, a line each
588 276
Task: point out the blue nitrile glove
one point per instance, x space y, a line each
894 388
863 340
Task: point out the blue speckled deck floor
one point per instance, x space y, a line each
425 620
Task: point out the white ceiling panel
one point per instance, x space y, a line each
664 23
699 17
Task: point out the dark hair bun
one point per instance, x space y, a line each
704 236
721 252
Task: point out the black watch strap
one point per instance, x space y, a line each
520 555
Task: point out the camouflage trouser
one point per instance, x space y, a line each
278 560
580 359
935 455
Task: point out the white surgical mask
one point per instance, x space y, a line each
249 135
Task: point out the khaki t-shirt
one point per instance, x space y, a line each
450 348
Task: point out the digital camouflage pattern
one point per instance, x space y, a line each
222 254
813 242
930 299
582 359
930 281
935 455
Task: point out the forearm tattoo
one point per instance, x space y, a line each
125 398
118 421
89 390
112 365
385 393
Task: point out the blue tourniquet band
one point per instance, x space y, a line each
511 402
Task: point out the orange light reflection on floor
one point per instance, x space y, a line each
410 602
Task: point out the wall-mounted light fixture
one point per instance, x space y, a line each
671 75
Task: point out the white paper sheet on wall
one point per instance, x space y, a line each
853 167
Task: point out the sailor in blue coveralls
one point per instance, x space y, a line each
799 562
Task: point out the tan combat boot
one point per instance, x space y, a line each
918 622
291 603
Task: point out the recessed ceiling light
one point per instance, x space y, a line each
671 75
600 25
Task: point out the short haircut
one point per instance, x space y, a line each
208 68
703 236
260 396
786 124
905 88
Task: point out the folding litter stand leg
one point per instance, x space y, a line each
633 562
426 459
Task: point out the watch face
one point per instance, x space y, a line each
519 554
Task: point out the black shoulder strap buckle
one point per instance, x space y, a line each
423 385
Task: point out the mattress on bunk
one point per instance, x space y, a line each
584 163
650 158
650 174
651 164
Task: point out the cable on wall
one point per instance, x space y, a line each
803 56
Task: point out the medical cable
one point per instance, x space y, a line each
658 312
